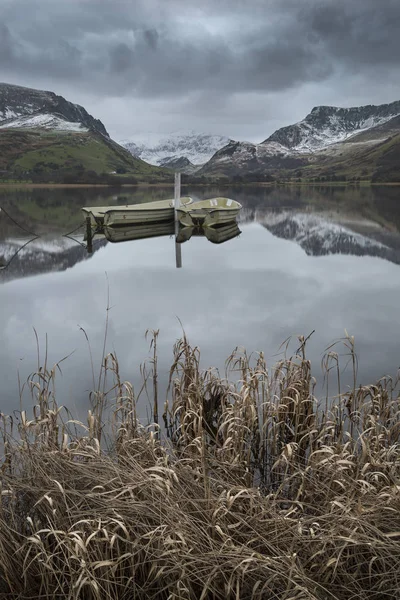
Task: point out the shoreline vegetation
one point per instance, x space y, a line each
245 486
220 183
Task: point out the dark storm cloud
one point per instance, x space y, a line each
6 44
158 48
151 36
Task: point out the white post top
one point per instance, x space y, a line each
177 191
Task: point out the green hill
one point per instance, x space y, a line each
40 155
368 160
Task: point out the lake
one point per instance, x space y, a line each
308 259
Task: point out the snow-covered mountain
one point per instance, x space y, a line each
244 157
181 164
327 131
22 107
155 148
326 125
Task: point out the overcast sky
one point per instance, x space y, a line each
229 67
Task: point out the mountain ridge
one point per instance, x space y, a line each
46 138
42 134
329 142
326 125
17 101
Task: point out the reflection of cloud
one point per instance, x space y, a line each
255 291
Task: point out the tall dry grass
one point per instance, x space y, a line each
252 489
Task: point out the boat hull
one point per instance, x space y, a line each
211 212
161 210
208 219
115 218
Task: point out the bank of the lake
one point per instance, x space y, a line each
252 488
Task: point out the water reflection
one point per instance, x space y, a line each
321 221
215 235
320 233
51 253
213 218
327 261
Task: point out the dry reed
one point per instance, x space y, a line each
253 489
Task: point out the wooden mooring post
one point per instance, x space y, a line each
177 203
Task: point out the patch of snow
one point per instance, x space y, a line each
43 121
332 134
326 126
9 114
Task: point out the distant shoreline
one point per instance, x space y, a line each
82 185
211 183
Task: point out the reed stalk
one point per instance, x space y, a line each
254 488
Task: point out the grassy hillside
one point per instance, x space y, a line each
38 155
364 160
372 156
88 157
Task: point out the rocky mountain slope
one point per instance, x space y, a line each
155 149
326 125
17 102
45 138
243 158
181 164
329 142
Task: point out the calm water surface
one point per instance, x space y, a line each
323 259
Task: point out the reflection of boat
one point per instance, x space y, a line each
137 232
216 235
213 211
185 233
223 233
162 210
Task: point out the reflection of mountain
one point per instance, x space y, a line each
319 236
41 256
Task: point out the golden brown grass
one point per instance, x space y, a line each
253 489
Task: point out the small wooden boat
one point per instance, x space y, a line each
138 232
161 210
214 211
216 235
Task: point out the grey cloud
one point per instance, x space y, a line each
121 58
175 47
358 34
6 44
181 63
151 37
